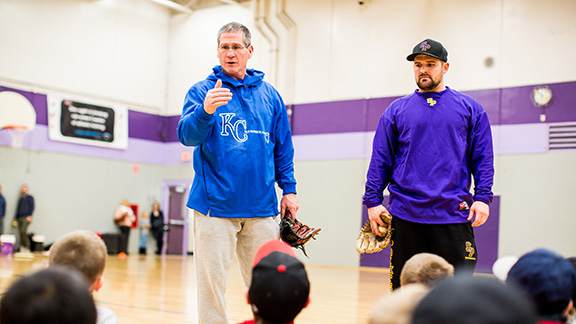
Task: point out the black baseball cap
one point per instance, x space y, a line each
429 47
280 287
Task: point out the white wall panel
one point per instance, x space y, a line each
108 49
348 51
193 48
535 208
537 37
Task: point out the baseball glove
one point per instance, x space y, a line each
295 233
367 242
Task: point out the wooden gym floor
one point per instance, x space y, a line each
162 289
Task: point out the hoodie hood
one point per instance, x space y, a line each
252 77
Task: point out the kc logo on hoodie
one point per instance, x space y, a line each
238 128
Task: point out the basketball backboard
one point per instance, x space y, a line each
17 116
16 110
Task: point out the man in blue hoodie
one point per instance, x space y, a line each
427 147
239 127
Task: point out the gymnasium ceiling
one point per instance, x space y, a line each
189 5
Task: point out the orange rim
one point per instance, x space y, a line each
16 127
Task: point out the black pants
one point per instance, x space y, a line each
159 237
453 242
123 240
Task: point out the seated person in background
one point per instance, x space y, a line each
426 268
85 252
49 296
549 279
474 300
398 306
280 288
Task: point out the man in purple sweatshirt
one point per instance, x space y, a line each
427 148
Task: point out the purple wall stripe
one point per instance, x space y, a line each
517 108
338 116
328 117
170 124
152 127
145 126
140 125
503 106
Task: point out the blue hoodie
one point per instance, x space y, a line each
426 149
241 150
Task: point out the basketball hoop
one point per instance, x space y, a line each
17 134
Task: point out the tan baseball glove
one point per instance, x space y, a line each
367 242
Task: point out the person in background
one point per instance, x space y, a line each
124 217
2 211
85 252
157 225
23 218
49 296
144 232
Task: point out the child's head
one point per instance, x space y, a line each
547 277
474 300
397 307
53 295
280 288
83 251
426 268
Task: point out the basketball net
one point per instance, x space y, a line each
17 134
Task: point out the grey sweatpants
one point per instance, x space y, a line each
216 241
23 224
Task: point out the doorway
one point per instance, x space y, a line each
177 219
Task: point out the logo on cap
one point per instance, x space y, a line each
429 47
424 46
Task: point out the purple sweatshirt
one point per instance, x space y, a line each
426 149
